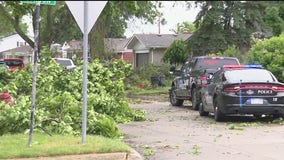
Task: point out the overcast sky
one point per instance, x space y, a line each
173 15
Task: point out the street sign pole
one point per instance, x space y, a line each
85 69
85 18
36 41
35 58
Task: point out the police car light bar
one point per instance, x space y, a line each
243 66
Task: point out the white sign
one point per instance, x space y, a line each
94 10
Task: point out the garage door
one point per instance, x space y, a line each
142 59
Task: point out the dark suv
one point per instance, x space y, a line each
193 75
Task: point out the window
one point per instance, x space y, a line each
19 44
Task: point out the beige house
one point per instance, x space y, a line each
117 46
25 52
150 48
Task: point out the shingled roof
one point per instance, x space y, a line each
115 44
21 49
155 40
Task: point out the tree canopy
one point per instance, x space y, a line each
176 54
221 24
184 27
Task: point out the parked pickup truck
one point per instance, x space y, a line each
192 76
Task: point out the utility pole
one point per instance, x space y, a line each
159 25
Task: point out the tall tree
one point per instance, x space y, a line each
274 19
176 54
185 27
58 25
224 23
6 27
12 12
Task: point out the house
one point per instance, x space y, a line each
25 52
12 41
116 45
112 45
68 50
75 48
15 46
150 48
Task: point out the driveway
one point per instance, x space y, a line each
179 133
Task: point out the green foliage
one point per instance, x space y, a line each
233 52
270 54
6 29
13 12
225 23
185 27
273 19
5 77
230 52
59 95
58 24
143 75
176 53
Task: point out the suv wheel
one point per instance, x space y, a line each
195 104
201 110
173 99
218 115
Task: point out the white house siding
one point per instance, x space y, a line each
11 42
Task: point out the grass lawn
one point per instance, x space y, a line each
149 91
16 145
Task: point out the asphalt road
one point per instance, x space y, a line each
179 133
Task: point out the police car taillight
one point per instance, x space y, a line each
233 88
278 88
203 81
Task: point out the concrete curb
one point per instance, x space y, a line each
133 155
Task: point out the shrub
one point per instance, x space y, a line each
230 52
143 74
270 54
59 95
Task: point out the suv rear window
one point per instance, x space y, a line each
206 63
13 62
64 62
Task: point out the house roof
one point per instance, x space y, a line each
22 49
76 44
111 44
155 40
115 44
